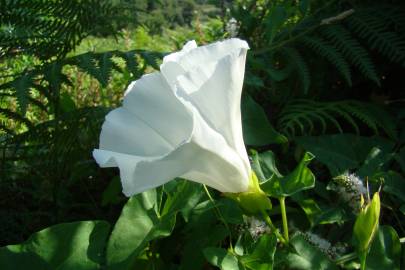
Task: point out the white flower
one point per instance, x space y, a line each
351 188
232 27
183 121
257 227
323 245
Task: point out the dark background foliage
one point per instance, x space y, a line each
321 76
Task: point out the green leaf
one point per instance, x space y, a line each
393 183
257 130
139 223
262 256
400 158
183 198
307 257
385 252
67 104
111 193
402 209
304 6
264 165
203 216
332 215
310 207
373 163
66 246
230 210
221 258
275 20
144 219
299 179
342 152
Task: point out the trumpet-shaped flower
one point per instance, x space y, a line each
184 121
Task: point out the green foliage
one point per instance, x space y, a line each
77 245
385 251
257 130
352 49
373 28
366 226
307 257
283 35
304 117
142 220
260 258
342 152
97 65
326 50
300 52
299 179
43 29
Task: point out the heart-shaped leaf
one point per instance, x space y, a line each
299 179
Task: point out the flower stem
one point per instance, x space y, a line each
363 261
273 228
284 217
346 258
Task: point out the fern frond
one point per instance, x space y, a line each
22 86
48 79
300 65
393 16
15 116
373 116
131 63
352 50
48 28
301 117
330 53
356 109
374 30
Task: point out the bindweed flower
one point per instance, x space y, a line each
184 121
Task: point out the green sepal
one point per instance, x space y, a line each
254 200
366 226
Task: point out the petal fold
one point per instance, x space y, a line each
184 121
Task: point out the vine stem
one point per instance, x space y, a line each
284 217
273 228
219 215
346 258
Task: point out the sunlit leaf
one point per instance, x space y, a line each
139 223
299 179
221 258
66 246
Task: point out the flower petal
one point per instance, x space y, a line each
211 162
215 90
151 122
191 56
